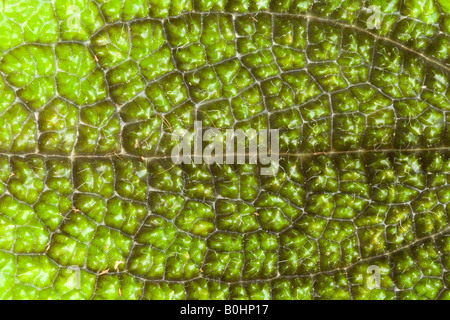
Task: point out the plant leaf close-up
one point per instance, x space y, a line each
354 202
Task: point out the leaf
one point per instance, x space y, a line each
93 206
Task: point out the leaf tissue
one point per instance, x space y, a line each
93 91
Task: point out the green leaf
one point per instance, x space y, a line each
92 205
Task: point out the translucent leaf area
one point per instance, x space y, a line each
92 207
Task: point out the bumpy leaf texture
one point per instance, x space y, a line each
91 207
